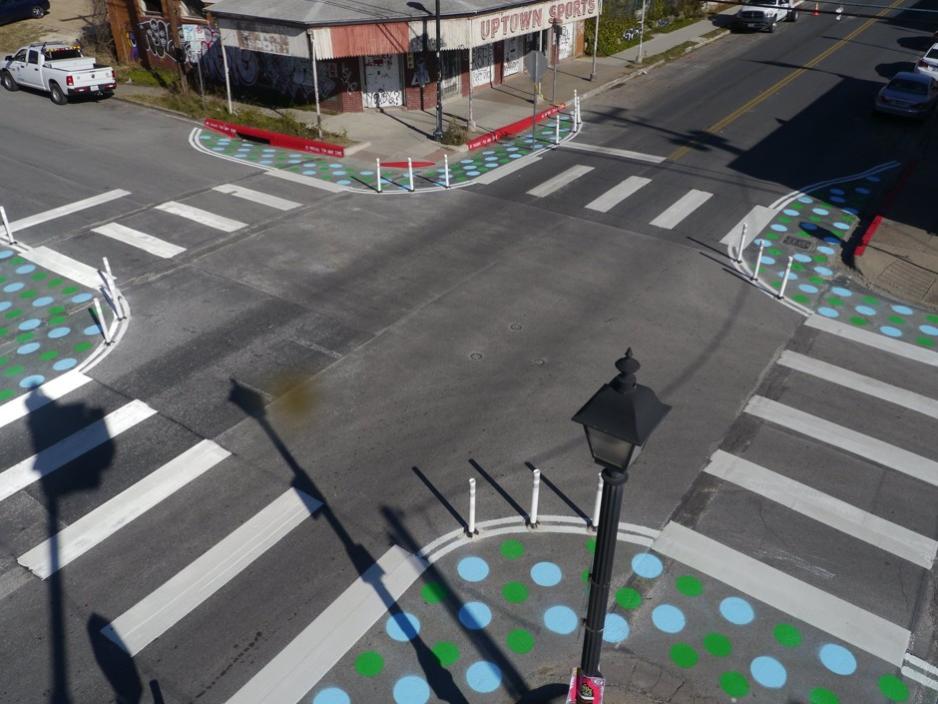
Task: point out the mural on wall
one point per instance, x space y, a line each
158 38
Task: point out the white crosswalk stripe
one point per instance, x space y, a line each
203 217
52 391
140 240
672 216
618 193
559 181
257 196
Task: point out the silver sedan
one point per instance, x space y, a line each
908 95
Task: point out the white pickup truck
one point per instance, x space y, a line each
58 69
764 15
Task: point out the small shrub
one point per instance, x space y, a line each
455 134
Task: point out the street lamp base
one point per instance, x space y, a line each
438 135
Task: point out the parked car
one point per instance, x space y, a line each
908 95
764 15
59 69
928 64
13 10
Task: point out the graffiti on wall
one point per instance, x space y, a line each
158 38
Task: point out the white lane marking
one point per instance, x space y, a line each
864 446
203 217
140 240
559 181
872 339
51 391
805 602
300 665
755 221
305 180
683 207
859 382
921 664
159 611
623 153
68 209
93 528
516 165
64 266
256 196
919 677
30 470
825 509
618 193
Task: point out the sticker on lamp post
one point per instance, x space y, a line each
585 689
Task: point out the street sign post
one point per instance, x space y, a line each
536 64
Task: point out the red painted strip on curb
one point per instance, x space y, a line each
513 128
868 235
887 204
403 164
276 139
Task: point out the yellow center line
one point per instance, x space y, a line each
773 89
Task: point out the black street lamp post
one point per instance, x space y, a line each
438 132
618 421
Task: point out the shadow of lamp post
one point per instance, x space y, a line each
438 130
618 421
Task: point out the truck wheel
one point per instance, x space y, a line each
8 81
793 16
37 12
772 26
56 94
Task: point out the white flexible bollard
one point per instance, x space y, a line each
113 293
6 226
598 504
535 498
781 290
378 172
557 130
410 173
472 508
101 322
839 12
576 103
446 170
742 242
755 272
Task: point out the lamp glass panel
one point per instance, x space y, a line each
609 449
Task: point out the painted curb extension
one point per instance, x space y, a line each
275 139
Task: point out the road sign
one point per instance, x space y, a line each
535 63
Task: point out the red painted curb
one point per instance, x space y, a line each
867 236
513 128
887 203
275 139
403 164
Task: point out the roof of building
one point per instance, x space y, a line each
336 12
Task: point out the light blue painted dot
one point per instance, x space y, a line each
851 211
472 173
560 619
546 574
902 310
488 151
837 199
825 250
823 270
339 173
668 618
31 382
12 288
411 689
309 172
4 305
366 173
928 329
493 165
828 312
737 610
808 226
26 269
63 365
837 659
779 228
81 298
511 149
515 156
30 324
890 331
767 260
862 191
802 258
28 348
473 569
841 226
43 301
865 310
332 695
837 191
647 565
265 162
402 627
467 161
218 149
92 330
791 275
830 239
344 182
842 292
768 672
874 178
475 615
820 211
790 212
616 629
805 199
484 676
336 166
6 253
808 288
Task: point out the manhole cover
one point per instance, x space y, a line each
798 242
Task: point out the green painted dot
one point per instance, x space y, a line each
83 346
820 258
512 549
814 218
68 290
834 301
774 251
57 319
897 320
797 267
689 585
15 313
628 598
801 298
25 336
784 218
858 321
925 341
369 664
818 280
932 318
39 276
29 294
2 279
3 360
3 331
433 592
447 653
717 645
871 300
591 544
48 355
520 641
893 688
17 260
787 635
56 310
776 284
13 371
770 236
819 695
585 575
734 684
515 593
6 394
684 655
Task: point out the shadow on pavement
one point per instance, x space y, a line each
115 663
439 497
562 496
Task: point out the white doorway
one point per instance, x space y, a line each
514 56
483 60
383 83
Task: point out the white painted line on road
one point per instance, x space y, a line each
919 677
298 668
68 209
755 221
516 165
805 602
921 664
30 470
872 339
257 197
683 207
140 240
75 540
559 181
610 151
203 217
156 613
825 509
306 180
858 382
64 266
864 446
51 391
618 193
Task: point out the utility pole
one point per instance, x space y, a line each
178 55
